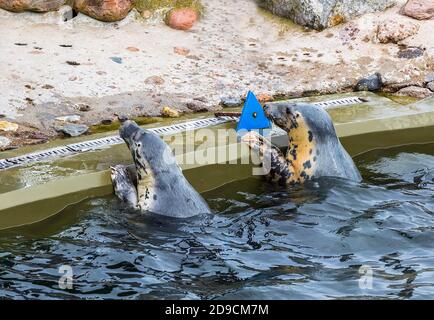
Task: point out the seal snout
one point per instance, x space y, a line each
128 131
278 113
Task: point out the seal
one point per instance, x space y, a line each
156 183
314 150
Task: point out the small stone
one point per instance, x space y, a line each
181 19
106 122
264 97
8 126
157 80
73 78
83 107
47 87
415 92
419 9
73 63
230 101
38 136
122 117
4 142
370 83
69 118
116 59
395 31
146 14
410 53
196 106
429 77
133 49
181 51
430 85
169 112
72 130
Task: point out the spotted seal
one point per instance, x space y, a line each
314 149
155 183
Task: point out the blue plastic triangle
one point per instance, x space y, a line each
252 115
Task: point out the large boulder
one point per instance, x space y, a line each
419 9
31 5
104 10
320 14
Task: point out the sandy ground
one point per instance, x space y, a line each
235 47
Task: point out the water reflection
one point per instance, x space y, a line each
264 241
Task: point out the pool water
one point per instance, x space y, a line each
322 240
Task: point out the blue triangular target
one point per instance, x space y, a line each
252 116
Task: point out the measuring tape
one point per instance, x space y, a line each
96 144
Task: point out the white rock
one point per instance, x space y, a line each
4 142
70 118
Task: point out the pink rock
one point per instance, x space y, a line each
419 9
181 19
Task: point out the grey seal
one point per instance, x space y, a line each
155 183
314 148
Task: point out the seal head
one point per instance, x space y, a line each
161 186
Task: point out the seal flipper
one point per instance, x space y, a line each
278 168
124 185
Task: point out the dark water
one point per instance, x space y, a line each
264 242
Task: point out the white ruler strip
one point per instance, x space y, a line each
96 144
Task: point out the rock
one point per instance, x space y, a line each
181 19
146 14
430 85
429 77
116 59
181 51
169 112
8 126
106 122
320 14
69 118
264 97
410 53
415 92
394 31
196 106
104 10
230 102
122 118
4 142
31 5
133 49
83 107
38 135
72 130
370 83
419 9
154 80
